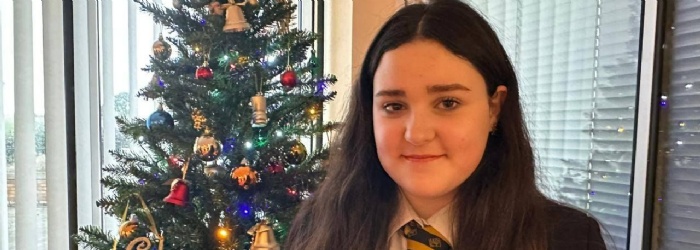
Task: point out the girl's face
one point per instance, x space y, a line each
431 116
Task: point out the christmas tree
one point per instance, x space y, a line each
238 82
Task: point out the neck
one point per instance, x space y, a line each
425 207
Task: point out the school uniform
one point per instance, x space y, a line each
441 221
568 228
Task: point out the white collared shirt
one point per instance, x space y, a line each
441 221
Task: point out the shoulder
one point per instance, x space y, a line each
570 228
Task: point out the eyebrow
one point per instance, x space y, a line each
431 90
391 93
447 88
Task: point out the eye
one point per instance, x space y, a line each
449 103
393 107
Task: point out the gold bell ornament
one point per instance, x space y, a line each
264 238
235 21
259 110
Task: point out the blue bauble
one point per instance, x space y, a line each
160 119
229 145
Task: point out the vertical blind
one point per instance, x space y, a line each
678 202
577 64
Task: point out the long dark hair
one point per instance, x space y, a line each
497 207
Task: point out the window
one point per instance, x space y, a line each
677 200
577 63
8 168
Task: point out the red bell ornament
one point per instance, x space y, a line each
178 193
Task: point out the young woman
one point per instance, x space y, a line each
434 153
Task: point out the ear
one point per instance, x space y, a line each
495 104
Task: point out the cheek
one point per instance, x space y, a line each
387 136
466 143
469 148
464 153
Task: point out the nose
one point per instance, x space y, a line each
419 129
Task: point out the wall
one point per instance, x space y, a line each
345 51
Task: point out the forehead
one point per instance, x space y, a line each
423 63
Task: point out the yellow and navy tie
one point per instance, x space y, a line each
423 238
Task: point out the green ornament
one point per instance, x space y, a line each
260 142
260 138
314 63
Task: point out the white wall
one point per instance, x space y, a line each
343 56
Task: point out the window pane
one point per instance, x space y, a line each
677 208
577 65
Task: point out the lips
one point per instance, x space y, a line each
421 158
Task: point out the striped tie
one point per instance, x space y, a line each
423 238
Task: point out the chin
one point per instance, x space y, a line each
420 191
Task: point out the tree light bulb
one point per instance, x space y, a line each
222 233
270 59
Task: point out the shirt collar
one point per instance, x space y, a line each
440 221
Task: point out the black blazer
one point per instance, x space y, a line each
571 229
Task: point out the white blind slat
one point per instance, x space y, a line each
578 65
678 203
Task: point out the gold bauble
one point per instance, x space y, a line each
161 49
207 148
